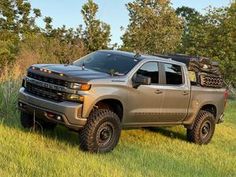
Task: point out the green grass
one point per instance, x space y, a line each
161 152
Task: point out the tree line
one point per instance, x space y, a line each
155 27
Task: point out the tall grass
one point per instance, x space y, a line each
9 86
8 100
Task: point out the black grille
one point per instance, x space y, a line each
47 79
45 92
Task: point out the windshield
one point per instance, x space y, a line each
107 62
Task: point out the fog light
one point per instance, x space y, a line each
59 118
74 97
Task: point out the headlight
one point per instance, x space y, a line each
77 86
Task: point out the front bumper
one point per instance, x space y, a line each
71 113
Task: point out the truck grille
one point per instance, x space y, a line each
45 92
48 79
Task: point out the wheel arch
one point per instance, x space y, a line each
210 108
206 107
113 104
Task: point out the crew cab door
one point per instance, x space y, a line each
145 101
176 93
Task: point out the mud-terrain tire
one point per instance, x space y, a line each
26 120
101 132
203 128
208 80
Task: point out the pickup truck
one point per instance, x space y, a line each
105 91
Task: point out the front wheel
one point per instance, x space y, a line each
102 131
203 128
26 120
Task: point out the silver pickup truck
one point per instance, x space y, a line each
106 91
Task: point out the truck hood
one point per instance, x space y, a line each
70 72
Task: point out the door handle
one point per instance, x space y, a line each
158 92
185 93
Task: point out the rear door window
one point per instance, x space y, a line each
173 74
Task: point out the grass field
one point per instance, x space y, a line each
161 152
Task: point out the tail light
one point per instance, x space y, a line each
226 94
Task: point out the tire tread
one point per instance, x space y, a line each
193 134
87 133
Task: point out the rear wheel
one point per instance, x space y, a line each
102 131
203 128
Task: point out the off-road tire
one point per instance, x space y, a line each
203 128
26 120
101 123
209 80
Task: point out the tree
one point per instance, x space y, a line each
15 21
191 19
154 27
212 35
22 41
97 33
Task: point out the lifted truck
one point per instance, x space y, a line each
106 91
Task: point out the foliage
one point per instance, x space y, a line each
41 49
97 33
8 99
153 28
212 35
8 48
15 21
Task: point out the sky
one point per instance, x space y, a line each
113 12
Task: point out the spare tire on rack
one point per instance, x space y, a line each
207 72
210 80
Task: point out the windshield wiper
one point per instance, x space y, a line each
115 73
118 74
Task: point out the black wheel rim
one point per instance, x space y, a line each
105 134
206 129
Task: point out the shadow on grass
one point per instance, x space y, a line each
167 133
60 133
63 134
66 136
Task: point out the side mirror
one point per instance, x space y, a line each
140 80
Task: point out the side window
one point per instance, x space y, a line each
150 69
173 74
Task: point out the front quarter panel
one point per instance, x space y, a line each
112 89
